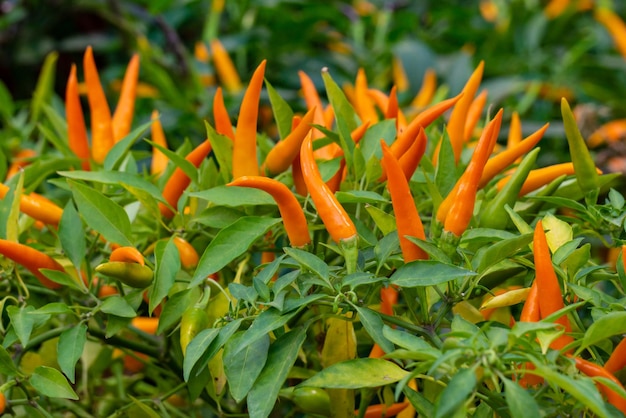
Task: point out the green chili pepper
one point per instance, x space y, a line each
584 166
194 320
311 400
493 214
131 274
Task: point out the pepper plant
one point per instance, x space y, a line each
370 259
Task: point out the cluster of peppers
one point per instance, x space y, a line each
452 217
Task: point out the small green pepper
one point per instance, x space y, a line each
584 166
131 274
194 320
493 214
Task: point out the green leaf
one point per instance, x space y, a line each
360 196
173 309
180 162
118 306
410 342
145 409
45 85
243 366
422 405
58 142
70 349
280 359
210 350
581 389
345 115
266 322
454 396
383 220
230 243
234 196
118 152
356 374
490 254
446 175
360 278
102 214
72 236
7 106
50 382
373 324
10 210
167 262
7 368
281 109
22 322
427 273
310 262
608 325
196 349
222 150
62 278
54 308
520 402
116 177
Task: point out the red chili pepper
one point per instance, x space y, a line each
498 163
423 119
289 207
408 220
32 260
548 289
159 159
283 153
101 127
123 116
245 161
461 206
617 360
458 117
178 181
594 370
223 125
76 130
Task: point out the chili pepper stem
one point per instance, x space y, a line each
350 251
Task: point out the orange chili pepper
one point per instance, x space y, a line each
283 153
474 113
127 255
504 159
201 52
614 25
37 207
380 99
412 157
427 90
594 370
245 161
614 130
617 360
101 126
33 260
178 181
530 311
289 207
187 253
223 125
540 177
408 220
146 324
398 74
458 117
555 8
423 119
224 67
458 206
76 130
333 215
391 112
362 104
19 161
123 116
548 289
159 159
515 131
382 410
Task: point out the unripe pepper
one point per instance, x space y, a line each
194 320
32 260
311 400
131 274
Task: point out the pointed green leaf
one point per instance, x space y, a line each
102 214
45 85
356 374
118 152
454 396
50 382
243 366
167 262
608 325
520 402
7 367
310 262
196 348
427 273
118 306
281 109
230 243
234 196
173 309
265 323
373 324
70 349
22 322
281 358
72 235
